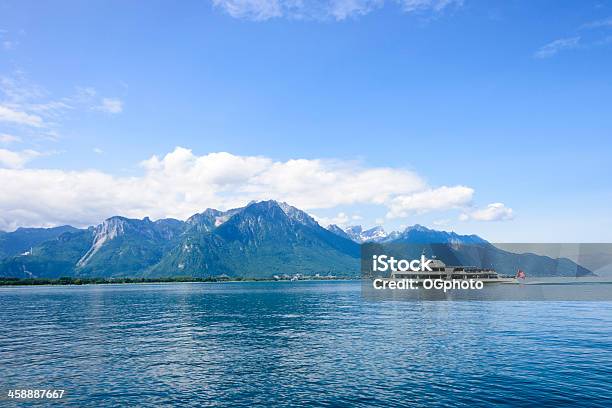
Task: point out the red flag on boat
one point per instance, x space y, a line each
520 274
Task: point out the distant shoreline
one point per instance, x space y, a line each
66 281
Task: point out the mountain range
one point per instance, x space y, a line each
415 233
259 240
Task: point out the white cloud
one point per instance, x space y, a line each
7 139
51 109
599 23
341 219
492 212
16 160
181 183
18 90
39 115
111 105
554 47
441 198
251 9
342 9
305 183
97 150
420 5
260 10
20 118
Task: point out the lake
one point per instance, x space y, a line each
298 343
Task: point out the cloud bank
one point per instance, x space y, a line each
181 183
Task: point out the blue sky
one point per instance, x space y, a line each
490 117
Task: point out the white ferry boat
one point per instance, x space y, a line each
439 270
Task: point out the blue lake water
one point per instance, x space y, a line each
299 343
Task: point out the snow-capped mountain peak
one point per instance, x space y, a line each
358 234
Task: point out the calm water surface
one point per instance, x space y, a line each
306 343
